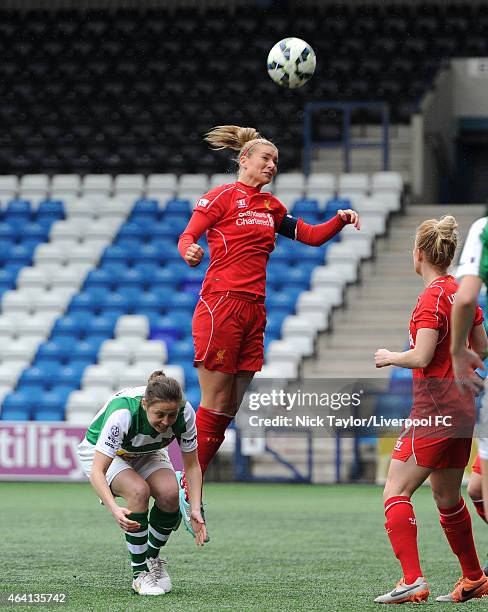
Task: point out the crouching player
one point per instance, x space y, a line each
123 454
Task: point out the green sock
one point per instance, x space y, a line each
161 524
137 543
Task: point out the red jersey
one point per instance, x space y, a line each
433 311
241 237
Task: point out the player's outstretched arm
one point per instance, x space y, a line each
100 465
193 475
316 235
418 357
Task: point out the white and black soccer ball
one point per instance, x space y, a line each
291 62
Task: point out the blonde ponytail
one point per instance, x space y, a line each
438 240
240 139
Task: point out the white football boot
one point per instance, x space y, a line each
146 584
157 567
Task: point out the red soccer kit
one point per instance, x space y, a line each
230 317
435 393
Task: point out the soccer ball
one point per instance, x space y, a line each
291 62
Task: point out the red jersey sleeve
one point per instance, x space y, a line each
429 310
278 211
214 203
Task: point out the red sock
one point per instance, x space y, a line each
478 504
211 428
401 528
456 523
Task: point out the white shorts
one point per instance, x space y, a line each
144 465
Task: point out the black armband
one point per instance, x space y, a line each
288 227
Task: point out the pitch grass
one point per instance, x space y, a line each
274 547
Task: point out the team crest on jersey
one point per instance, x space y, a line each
242 203
220 356
267 204
115 430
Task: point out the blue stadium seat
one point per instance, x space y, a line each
174 326
56 350
100 277
102 325
11 412
115 269
8 232
144 219
147 253
114 254
148 301
146 206
44 376
280 254
193 395
181 302
335 204
19 209
277 270
71 325
21 254
275 320
70 375
401 381
130 245
164 230
181 350
35 230
305 206
85 350
131 230
395 405
305 253
281 300
50 415
177 222
177 206
7 278
191 373
50 209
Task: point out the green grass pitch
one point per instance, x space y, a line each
274 547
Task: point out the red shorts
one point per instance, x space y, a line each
434 453
228 331
476 467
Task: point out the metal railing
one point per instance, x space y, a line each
347 143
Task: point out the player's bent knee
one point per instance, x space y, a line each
138 493
168 501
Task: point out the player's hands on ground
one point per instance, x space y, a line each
199 528
194 254
464 364
350 217
382 358
121 516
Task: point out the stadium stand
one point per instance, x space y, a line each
82 91
108 292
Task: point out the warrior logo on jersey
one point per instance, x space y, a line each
398 445
241 203
220 356
115 430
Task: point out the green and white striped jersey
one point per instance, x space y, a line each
121 427
474 262
474 258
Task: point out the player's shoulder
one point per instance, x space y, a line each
218 194
478 226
